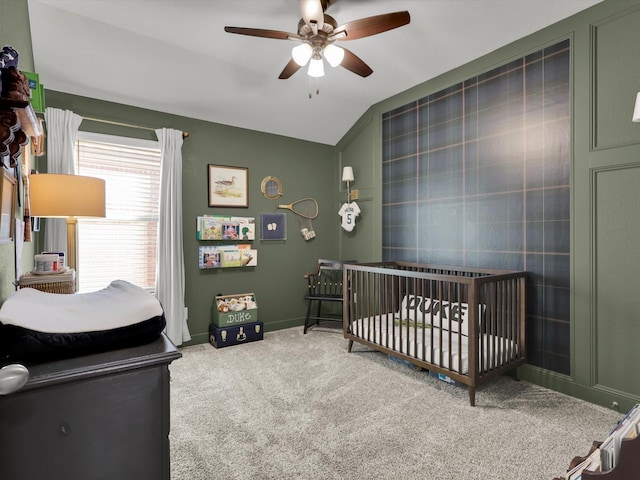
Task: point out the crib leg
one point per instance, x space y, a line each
472 396
350 345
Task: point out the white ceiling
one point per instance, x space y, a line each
174 56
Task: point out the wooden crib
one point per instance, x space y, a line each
465 323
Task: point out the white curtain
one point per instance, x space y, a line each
62 128
170 257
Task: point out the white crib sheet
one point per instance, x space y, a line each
383 330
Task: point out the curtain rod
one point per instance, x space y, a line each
121 124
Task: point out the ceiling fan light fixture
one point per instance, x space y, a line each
316 68
333 54
302 53
316 33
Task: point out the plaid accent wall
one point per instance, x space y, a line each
478 174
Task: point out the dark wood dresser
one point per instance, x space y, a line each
102 416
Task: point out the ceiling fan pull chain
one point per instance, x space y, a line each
314 85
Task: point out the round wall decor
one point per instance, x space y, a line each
271 187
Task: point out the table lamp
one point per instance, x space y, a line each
54 195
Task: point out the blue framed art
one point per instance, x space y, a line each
273 226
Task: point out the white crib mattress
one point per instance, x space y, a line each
440 347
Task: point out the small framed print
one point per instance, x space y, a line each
228 186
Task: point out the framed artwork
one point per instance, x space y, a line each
7 206
228 186
273 226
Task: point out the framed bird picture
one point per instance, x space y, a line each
228 186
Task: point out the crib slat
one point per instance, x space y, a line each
476 320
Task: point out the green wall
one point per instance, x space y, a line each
15 31
364 154
605 318
306 170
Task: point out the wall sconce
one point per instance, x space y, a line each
67 196
636 111
347 176
350 210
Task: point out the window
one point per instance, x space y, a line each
122 245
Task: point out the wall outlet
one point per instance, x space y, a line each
355 194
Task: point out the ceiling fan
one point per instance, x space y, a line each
318 32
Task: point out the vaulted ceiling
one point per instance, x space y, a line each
174 56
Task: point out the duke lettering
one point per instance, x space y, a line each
443 308
238 317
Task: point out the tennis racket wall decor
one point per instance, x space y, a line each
306 209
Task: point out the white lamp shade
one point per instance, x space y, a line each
316 68
302 53
55 195
636 111
347 174
333 54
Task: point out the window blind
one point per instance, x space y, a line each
122 245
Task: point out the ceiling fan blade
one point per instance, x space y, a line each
366 27
259 32
354 64
291 68
312 13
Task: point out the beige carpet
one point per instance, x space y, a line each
297 406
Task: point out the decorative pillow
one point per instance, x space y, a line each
452 316
39 326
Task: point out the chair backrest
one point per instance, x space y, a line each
325 264
326 280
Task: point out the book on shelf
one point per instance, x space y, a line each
231 257
632 415
246 227
249 257
227 256
223 227
209 228
627 428
590 464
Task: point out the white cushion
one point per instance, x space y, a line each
121 304
451 316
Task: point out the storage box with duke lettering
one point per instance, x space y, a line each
221 337
237 309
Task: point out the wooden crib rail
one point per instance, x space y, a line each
394 301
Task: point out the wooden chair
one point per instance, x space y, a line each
324 285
